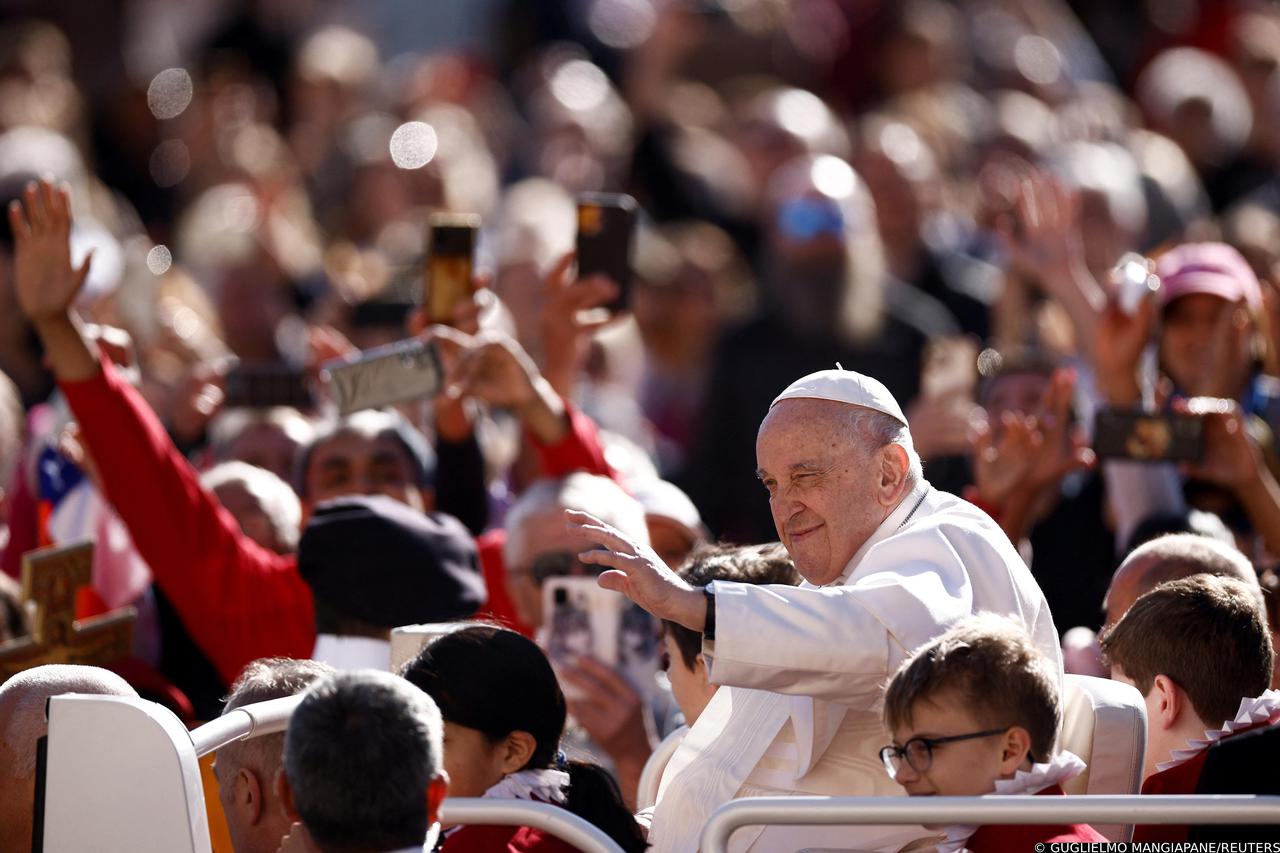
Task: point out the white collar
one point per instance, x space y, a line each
1063 766
546 785
907 510
1261 709
352 652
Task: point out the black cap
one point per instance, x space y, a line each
372 558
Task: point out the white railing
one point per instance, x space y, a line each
898 811
561 823
262 718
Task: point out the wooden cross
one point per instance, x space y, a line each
50 578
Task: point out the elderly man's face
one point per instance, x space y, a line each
543 537
822 485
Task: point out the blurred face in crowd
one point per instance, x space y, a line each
822 485
677 318
1020 393
267 445
809 263
546 549
355 463
1189 349
962 768
251 514
251 333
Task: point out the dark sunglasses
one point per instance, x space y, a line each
558 564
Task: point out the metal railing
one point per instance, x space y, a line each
936 811
561 823
262 718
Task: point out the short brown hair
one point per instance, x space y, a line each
756 564
1205 632
997 669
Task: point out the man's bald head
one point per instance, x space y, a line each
1169 558
22 723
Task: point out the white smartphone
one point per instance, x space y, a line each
580 618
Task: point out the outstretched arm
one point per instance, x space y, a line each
46 282
238 600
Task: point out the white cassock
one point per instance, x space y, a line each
805 668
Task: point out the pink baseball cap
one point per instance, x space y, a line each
1213 268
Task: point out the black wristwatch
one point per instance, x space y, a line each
709 626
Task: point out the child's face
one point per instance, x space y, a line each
961 768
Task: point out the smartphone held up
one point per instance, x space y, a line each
448 276
606 234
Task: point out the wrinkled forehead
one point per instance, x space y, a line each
811 421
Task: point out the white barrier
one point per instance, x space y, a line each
873 811
559 822
123 777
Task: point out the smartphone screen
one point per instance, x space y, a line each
1148 436
606 227
447 279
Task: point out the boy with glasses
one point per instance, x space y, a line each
975 712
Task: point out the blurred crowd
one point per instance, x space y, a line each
951 197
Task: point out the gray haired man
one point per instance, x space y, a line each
363 765
247 769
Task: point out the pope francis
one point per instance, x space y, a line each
889 563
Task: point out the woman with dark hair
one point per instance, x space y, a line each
504 715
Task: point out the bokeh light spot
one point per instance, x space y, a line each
413 145
170 93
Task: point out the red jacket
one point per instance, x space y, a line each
1000 838
238 600
1179 779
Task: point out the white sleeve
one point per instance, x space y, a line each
841 643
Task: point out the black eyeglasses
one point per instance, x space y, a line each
918 752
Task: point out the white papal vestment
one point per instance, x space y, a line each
804 669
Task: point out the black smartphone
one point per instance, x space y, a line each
263 385
1148 436
447 279
606 230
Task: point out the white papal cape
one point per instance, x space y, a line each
805 667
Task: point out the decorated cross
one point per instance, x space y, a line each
50 578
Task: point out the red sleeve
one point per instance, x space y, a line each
238 600
970 494
579 450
